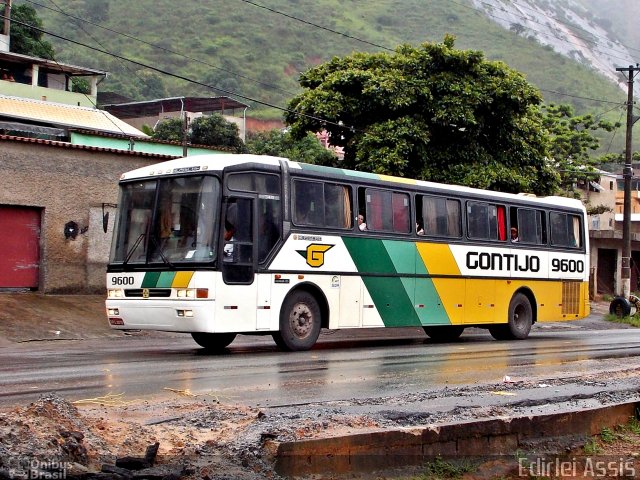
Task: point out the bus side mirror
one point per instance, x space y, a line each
105 216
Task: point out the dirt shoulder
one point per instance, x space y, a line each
32 316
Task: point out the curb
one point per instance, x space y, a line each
412 446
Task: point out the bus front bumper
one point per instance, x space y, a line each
174 316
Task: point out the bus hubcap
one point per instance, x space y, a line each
301 320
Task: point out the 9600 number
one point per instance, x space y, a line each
565 265
120 281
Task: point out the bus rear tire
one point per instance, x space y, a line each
519 322
214 342
300 321
444 333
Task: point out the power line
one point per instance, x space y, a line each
182 77
277 12
293 18
167 50
388 49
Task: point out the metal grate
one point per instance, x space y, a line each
153 293
570 298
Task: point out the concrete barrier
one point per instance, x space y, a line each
378 449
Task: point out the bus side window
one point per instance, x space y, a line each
486 221
440 216
529 223
565 230
387 211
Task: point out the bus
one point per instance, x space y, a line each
226 244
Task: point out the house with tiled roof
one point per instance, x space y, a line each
60 161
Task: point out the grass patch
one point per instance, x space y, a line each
440 469
634 320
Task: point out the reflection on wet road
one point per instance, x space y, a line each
254 372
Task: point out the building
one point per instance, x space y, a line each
139 114
605 197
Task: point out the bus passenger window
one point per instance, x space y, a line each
529 225
486 221
439 216
387 211
565 230
322 204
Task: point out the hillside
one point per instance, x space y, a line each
258 53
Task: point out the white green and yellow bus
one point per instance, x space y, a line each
220 245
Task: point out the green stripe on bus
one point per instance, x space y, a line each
165 280
429 304
392 296
338 171
150 279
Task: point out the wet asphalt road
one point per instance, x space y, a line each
344 365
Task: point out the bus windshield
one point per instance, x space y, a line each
167 221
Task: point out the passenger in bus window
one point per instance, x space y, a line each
361 223
419 229
229 231
514 235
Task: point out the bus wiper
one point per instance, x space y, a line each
164 259
133 249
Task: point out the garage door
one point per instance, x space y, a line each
20 259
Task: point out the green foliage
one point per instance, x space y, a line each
571 141
26 40
80 85
442 469
431 112
281 144
233 47
169 130
211 130
214 130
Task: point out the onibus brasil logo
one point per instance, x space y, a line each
314 254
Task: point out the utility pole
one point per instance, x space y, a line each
185 133
627 174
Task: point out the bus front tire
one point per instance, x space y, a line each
213 341
443 333
300 321
519 322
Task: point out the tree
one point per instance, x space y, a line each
281 144
26 40
212 130
216 131
169 130
571 139
431 112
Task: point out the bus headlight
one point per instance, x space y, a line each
192 293
115 293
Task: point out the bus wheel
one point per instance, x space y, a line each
500 332
299 322
520 317
444 334
213 341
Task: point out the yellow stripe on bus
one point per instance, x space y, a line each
182 279
438 260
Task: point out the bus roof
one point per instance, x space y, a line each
217 162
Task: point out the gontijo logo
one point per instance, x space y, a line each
314 254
